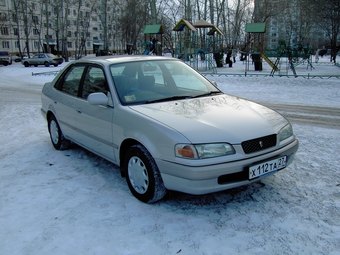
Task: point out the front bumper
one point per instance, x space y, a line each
207 179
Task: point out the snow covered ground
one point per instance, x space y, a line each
73 202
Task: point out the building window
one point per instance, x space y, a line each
15 31
69 44
95 29
74 13
69 33
35 19
5 44
4 30
36 45
16 44
14 17
3 16
35 31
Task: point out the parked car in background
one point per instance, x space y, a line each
165 125
45 59
5 58
16 58
25 56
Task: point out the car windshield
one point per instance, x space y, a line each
144 82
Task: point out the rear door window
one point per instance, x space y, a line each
70 82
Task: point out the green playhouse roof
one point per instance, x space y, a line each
256 27
153 29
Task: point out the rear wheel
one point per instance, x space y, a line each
57 138
142 175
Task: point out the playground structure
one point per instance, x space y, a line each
295 55
202 45
154 44
198 50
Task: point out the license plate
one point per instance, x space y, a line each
267 167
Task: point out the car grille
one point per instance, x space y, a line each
258 144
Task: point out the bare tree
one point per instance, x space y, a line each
327 17
16 21
240 14
265 9
135 17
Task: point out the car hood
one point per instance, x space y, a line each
221 118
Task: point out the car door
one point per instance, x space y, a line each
66 98
94 122
35 60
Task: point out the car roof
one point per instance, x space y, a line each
105 60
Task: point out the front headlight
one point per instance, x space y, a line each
203 151
285 132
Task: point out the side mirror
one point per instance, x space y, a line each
98 98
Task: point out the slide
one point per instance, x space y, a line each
269 62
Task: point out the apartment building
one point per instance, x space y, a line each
74 26
290 22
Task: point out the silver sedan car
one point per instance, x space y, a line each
165 125
45 59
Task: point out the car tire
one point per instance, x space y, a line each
47 64
35 65
26 64
57 138
142 175
55 65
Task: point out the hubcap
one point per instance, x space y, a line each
138 175
54 131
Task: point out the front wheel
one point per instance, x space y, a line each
26 64
142 175
57 138
47 64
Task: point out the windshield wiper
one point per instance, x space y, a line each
167 99
208 94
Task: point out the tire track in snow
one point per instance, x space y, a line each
313 115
